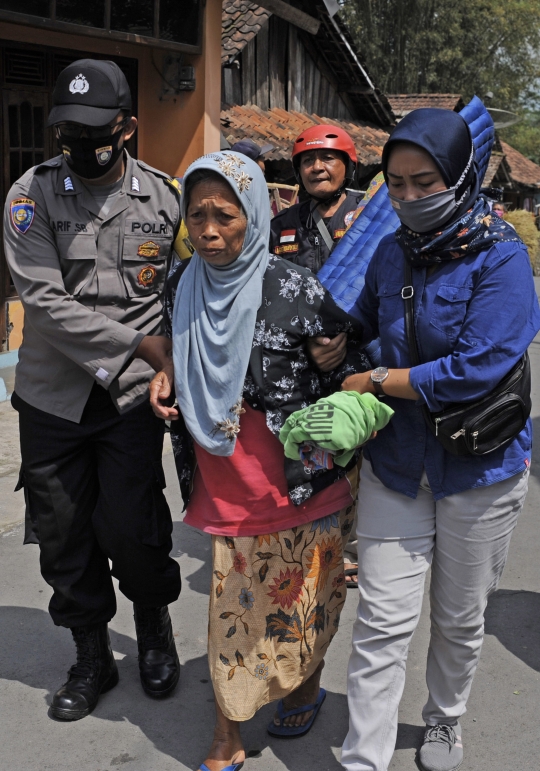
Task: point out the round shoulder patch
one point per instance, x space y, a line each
349 217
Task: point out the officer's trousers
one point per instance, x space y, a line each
94 493
465 538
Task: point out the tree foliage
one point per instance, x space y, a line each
449 46
525 135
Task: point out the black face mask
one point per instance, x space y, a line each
91 158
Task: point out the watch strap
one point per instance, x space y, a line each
378 388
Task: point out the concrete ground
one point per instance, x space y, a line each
131 731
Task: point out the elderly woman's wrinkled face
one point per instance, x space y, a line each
412 173
216 222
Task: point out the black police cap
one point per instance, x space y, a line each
91 92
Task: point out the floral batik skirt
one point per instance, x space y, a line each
274 609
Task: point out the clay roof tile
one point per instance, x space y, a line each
402 104
241 21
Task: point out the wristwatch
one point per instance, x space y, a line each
378 376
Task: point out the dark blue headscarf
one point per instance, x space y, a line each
446 137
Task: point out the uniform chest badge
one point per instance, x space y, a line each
22 213
148 249
147 276
103 155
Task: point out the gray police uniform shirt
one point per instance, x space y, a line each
91 286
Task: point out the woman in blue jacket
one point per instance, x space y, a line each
476 312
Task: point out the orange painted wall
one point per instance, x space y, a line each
172 132
15 322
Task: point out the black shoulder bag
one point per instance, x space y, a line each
482 426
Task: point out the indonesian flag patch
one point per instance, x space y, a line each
287 236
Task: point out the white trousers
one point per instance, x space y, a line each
465 538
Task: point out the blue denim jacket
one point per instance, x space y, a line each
475 317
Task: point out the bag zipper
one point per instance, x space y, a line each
497 409
447 417
318 253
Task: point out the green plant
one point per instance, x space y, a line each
523 221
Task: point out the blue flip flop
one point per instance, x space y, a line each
288 732
235 767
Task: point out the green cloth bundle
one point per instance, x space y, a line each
339 423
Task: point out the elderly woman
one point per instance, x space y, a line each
241 322
421 505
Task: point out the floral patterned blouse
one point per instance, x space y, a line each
281 378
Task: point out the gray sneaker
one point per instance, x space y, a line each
442 749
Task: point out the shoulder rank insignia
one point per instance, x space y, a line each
135 185
68 184
22 213
146 276
148 249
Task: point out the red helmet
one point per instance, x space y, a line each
320 137
328 137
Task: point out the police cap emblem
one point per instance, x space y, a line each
79 85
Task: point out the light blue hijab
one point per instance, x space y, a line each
215 312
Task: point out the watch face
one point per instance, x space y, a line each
379 374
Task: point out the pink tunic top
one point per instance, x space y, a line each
246 493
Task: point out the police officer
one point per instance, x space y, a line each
88 238
324 161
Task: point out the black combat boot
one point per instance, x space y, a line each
94 673
159 666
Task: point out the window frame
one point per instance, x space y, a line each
106 33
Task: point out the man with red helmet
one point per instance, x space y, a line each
324 161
